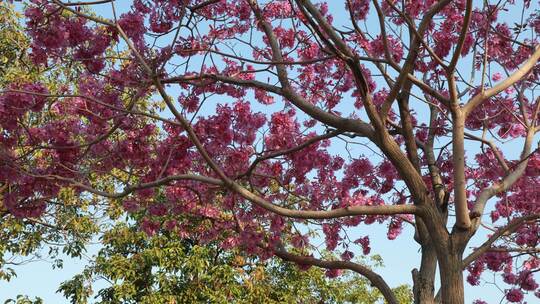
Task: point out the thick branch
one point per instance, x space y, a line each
503 85
384 37
408 132
509 228
261 202
462 36
381 138
434 171
375 279
411 57
458 157
356 126
507 181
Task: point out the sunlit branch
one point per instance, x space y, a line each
509 228
503 85
375 279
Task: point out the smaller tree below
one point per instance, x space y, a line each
165 268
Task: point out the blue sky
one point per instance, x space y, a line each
400 256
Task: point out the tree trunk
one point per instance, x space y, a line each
424 279
451 279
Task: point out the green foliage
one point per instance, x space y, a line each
168 269
12 44
20 299
14 62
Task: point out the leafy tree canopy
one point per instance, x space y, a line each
258 125
167 268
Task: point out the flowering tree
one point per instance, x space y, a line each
269 120
62 226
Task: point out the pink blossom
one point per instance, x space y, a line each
496 76
130 205
514 295
364 242
149 227
394 47
347 255
333 273
360 8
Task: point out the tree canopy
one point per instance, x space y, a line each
254 126
167 268
65 224
129 258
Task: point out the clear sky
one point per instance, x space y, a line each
400 256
